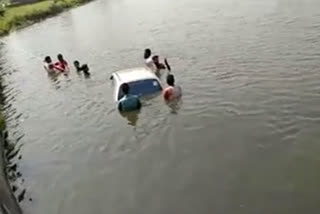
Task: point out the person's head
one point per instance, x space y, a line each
125 88
60 57
155 59
170 80
147 53
76 64
48 59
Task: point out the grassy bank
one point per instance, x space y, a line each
20 16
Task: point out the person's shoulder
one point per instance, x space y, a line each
122 99
149 60
168 88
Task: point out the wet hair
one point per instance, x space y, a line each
170 80
77 64
48 59
147 53
125 88
60 57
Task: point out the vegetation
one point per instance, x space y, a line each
19 16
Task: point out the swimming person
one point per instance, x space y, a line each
84 68
48 65
128 102
172 92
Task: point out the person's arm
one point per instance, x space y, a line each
167 64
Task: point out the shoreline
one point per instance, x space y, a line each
8 201
17 17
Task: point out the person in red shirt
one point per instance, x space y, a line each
172 92
62 64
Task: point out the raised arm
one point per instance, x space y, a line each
167 64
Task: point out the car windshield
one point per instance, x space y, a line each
142 87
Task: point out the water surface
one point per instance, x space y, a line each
245 138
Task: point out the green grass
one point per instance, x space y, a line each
15 17
5 1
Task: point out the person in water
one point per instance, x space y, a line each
77 65
159 66
148 58
153 62
48 65
172 92
128 102
84 68
62 64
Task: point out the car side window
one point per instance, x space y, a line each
120 94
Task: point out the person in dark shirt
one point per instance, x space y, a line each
128 102
84 68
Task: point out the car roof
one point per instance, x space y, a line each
134 74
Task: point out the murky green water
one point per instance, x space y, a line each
245 140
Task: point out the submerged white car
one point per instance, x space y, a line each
142 81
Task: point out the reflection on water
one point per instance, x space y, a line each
54 78
132 117
244 140
175 105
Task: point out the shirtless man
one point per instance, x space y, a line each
172 92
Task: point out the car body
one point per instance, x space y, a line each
142 81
